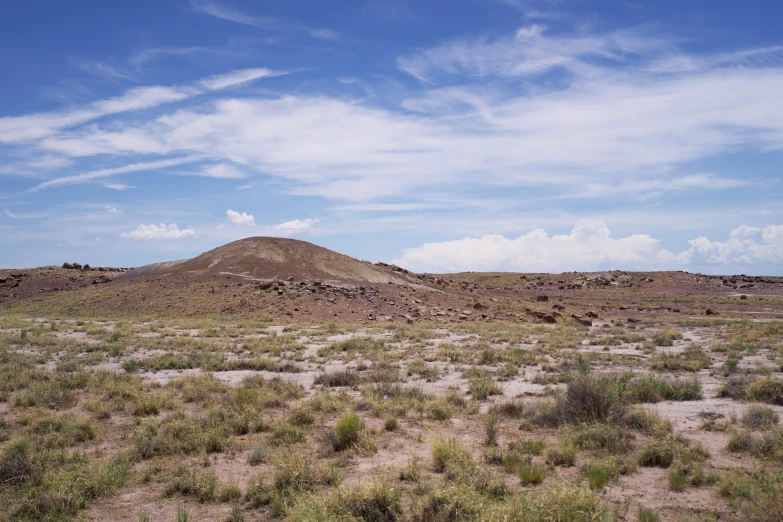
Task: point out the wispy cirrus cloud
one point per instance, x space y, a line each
104 173
36 126
268 23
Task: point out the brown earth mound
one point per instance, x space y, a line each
270 258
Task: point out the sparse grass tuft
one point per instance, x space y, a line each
766 389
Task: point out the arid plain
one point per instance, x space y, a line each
272 379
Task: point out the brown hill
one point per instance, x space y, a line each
269 258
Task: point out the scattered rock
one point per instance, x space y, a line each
582 320
542 298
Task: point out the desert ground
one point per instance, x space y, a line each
274 380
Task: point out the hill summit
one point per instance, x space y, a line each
267 258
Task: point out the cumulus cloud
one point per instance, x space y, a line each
590 246
297 227
741 247
146 232
242 219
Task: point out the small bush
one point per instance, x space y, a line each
257 455
438 409
530 473
481 388
532 447
391 424
646 515
491 428
342 378
379 502
590 398
667 337
678 479
658 453
285 434
766 389
599 474
347 431
759 417
565 455
651 388
647 422
201 486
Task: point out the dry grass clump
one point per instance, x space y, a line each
757 496
766 389
452 459
759 417
202 486
767 444
651 388
481 388
587 399
377 502
293 474
667 336
40 484
692 359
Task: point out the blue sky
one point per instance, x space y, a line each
441 135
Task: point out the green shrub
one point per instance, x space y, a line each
348 431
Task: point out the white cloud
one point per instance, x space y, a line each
589 246
744 232
529 52
297 227
741 247
242 219
146 232
113 210
599 135
234 78
118 186
269 23
40 125
222 170
103 173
